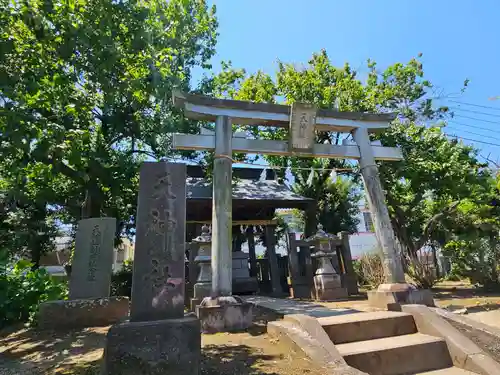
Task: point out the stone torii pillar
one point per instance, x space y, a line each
395 290
222 211
222 311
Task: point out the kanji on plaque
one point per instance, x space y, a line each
302 122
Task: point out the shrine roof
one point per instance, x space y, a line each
243 189
252 186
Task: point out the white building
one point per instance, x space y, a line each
364 241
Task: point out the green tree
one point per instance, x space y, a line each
27 222
337 201
471 238
85 94
429 184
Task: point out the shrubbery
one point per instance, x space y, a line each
369 270
121 281
23 289
475 259
422 274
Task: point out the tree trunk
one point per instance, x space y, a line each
38 237
435 260
494 271
93 201
310 222
36 254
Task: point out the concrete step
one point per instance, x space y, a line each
447 371
367 326
407 354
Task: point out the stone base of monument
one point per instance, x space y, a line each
194 302
351 283
392 296
201 290
224 314
245 285
299 288
81 313
328 288
170 346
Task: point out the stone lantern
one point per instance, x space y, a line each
203 286
327 282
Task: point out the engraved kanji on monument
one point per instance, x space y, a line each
158 277
93 259
301 132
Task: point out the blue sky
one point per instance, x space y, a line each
458 39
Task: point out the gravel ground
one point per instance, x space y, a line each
489 343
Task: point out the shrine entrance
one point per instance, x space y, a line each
302 120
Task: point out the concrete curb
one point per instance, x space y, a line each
467 322
303 334
464 353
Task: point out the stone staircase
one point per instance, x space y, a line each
388 343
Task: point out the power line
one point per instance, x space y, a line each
476 112
475 105
270 166
473 133
471 126
478 119
472 140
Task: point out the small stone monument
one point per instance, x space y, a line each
159 338
89 303
327 282
242 281
203 286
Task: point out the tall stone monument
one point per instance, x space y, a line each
159 338
93 259
89 303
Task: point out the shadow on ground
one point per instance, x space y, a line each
232 360
79 352
63 352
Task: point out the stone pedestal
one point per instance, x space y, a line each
157 347
328 288
299 288
392 296
81 313
224 314
243 283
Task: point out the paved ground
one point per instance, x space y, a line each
491 318
290 306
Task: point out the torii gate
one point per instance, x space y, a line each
301 120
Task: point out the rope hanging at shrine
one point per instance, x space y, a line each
269 166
